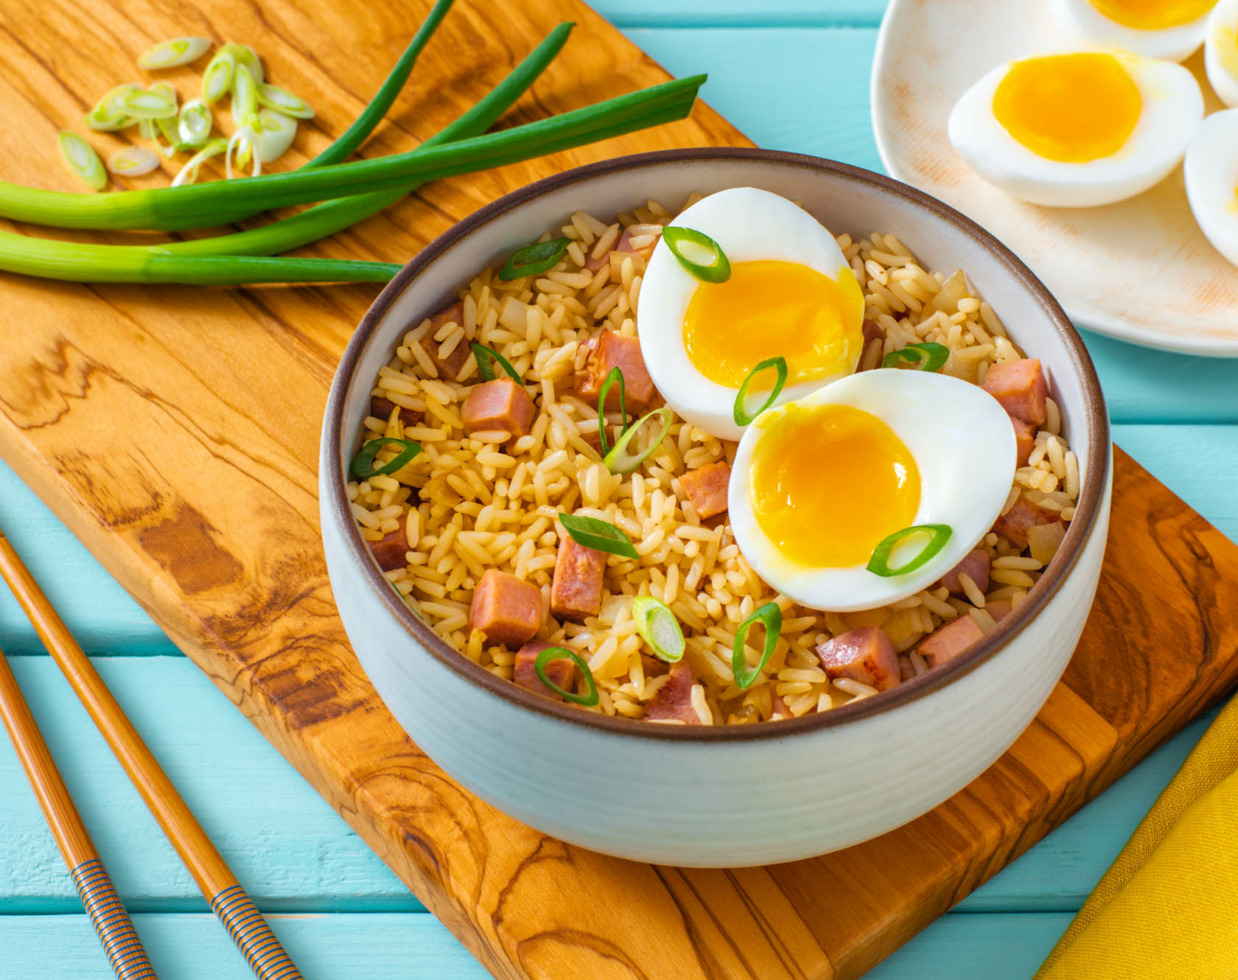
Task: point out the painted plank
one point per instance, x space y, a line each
741 13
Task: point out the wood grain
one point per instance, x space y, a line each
176 433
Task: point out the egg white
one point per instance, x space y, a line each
964 446
1086 25
1211 171
1172 108
749 225
1221 51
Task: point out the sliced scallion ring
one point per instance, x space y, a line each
217 79
241 148
170 54
189 173
551 654
281 100
739 412
195 123
154 103
246 56
363 468
109 115
592 532
937 536
244 97
533 260
615 375
925 357
132 161
486 359
769 616
82 160
698 253
273 134
658 627
619 460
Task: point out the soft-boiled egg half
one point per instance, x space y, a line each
1172 29
1212 181
790 293
1077 129
817 484
1221 51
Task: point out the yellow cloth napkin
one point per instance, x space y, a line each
1168 907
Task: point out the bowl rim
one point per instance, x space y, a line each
1081 528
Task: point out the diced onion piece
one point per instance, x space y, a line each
658 627
241 148
132 161
170 54
1044 540
273 134
952 290
620 460
154 103
281 100
83 160
551 654
244 97
195 123
217 79
109 115
769 616
243 54
189 173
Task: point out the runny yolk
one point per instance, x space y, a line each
1071 108
1153 15
769 308
828 483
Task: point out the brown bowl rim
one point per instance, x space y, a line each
1081 527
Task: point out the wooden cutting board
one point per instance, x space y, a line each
175 431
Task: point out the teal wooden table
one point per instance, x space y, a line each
792 74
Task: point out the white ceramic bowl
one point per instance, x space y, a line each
723 796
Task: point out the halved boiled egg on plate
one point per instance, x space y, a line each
818 484
1077 129
1221 51
1172 29
790 293
1211 170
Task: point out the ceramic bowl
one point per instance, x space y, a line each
737 795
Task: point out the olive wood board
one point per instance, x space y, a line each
175 431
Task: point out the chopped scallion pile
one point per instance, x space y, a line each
936 536
698 253
740 412
658 627
770 617
551 654
592 532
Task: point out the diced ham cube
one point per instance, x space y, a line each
1024 439
778 707
706 487
449 367
976 566
576 590
506 609
864 654
1021 388
1014 524
872 331
610 350
999 609
381 408
498 405
561 672
948 641
673 702
390 550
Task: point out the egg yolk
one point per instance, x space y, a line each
829 483
769 308
1153 15
1071 108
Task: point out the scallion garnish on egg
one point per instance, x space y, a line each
924 357
551 654
937 536
616 375
363 468
769 616
698 253
485 363
533 260
592 532
619 460
739 412
658 627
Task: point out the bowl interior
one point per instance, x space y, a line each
844 199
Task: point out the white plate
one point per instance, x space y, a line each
1140 270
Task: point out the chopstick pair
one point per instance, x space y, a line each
234 908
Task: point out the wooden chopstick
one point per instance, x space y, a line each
103 906
245 924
